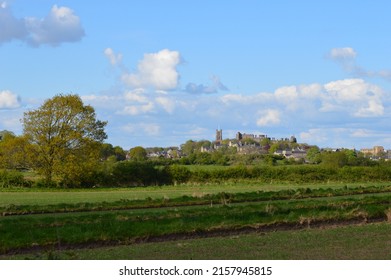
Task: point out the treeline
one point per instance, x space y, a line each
147 173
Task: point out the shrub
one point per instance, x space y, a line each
178 174
12 179
135 173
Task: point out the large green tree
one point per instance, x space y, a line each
65 139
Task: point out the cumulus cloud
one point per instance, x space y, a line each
9 100
362 133
352 96
216 86
346 58
167 103
374 108
156 70
134 110
59 26
344 136
314 135
150 129
342 53
269 117
11 27
115 59
263 97
355 96
137 95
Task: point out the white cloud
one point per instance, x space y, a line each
314 136
115 59
347 90
311 91
355 96
11 27
206 89
374 108
289 96
346 58
343 53
59 26
136 95
9 100
346 137
259 98
134 110
157 70
150 129
361 133
268 118
167 104
286 94
99 98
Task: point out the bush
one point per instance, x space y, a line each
135 173
12 179
178 174
43 184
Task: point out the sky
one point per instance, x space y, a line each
164 72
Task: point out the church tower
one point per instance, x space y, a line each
219 136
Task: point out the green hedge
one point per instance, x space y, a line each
146 174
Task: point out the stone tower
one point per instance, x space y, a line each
219 136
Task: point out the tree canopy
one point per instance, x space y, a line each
65 138
138 153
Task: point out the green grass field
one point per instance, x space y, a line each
358 242
20 196
45 221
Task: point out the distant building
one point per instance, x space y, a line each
296 154
375 151
242 136
219 136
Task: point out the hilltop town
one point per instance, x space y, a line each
259 144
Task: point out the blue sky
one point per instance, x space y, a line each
163 72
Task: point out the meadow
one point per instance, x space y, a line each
45 196
352 242
52 223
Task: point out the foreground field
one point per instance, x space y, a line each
102 218
355 242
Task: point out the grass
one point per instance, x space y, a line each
360 242
195 199
19 196
204 209
18 232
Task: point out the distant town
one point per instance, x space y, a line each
247 144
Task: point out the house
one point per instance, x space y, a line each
296 153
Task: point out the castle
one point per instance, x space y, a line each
256 138
255 144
